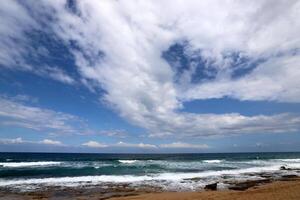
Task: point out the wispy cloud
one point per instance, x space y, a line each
21 98
114 133
54 73
40 119
14 111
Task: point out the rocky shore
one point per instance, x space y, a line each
124 190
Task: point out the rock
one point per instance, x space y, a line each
288 177
192 179
266 175
248 184
284 168
212 186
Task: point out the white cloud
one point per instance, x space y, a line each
15 21
15 113
184 145
12 141
132 145
197 125
277 80
94 144
140 83
55 73
19 140
51 142
15 45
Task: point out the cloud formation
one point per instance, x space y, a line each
119 47
39 119
94 144
19 140
18 111
17 50
132 145
51 142
184 145
276 80
175 145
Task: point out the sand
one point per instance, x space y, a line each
280 190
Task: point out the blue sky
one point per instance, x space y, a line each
129 76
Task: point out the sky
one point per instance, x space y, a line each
149 76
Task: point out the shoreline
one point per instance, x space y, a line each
281 189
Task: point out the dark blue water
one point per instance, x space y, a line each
169 169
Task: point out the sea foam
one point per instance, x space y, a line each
212 161
28 164
127 161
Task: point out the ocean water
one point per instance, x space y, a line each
30 171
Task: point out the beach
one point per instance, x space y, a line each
277 190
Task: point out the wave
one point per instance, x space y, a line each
212 161
288 160
28 164
127 161
162 177
179 165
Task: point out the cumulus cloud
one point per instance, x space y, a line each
119 48
184 145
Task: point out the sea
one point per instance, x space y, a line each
174 172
